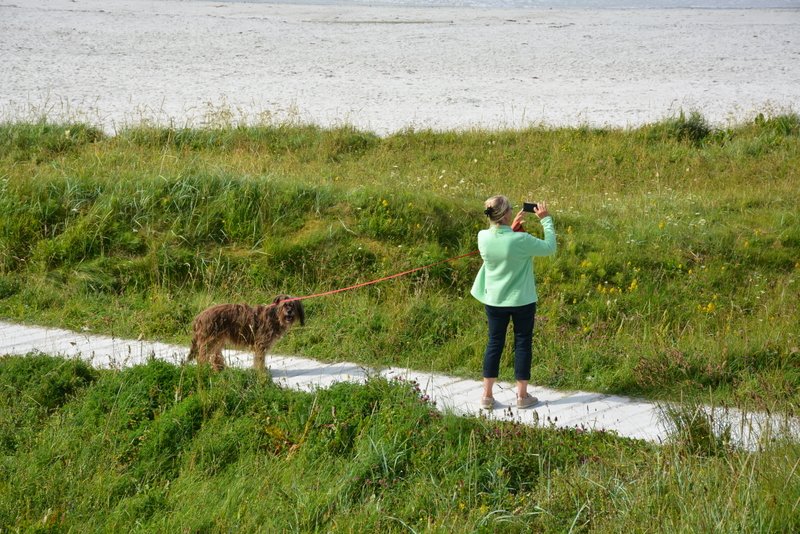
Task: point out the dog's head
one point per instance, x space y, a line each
288 310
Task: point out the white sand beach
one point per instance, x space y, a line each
385 69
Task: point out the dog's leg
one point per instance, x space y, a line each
215 352
202 354
194 350
218 363
210 351
205 347
259 357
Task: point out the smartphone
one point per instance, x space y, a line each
529 206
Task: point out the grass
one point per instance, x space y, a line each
164 448
676 276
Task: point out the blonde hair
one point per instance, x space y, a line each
496 208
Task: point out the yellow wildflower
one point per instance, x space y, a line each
708 308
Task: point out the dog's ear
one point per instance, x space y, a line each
301 312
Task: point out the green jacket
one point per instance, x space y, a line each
506 277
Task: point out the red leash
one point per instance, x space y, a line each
382 279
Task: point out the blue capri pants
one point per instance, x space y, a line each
499 317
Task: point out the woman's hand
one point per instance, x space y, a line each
519 220
541 210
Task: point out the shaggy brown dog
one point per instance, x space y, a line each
256 328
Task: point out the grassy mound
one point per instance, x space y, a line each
677 270
160 448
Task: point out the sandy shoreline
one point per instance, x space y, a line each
384 69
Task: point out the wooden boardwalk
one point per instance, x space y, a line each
627 417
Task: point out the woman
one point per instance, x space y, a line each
507 287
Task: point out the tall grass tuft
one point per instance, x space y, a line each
42 140
696 431
693 129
